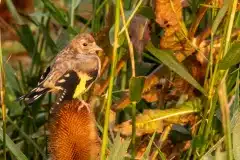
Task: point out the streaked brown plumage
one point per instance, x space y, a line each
76 64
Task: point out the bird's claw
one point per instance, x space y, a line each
84 104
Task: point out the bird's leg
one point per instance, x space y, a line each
83 104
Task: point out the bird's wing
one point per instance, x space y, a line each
44 75
36 92
68 82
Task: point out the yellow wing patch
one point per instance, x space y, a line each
81 87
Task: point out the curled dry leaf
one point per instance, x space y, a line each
169 17
139 33
168 13
155 120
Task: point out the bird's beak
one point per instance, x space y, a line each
97 48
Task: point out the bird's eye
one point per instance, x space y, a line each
85 44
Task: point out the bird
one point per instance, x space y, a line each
72 72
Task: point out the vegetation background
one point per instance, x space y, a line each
169 85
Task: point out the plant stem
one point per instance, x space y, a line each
222 92
232 11
133 130
130 45
113 67
124 77
130 18
131 52
217 76
2 97
13 11
72 13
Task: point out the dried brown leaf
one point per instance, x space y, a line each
139 33
169 16
168 13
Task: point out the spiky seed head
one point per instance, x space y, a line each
85 44
73 133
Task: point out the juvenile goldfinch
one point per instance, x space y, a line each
72 73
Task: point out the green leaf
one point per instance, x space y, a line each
235 122
236 140
59 15
121 38
119 148
49 40
36 17
76 3
27 39
220 155
168 115
14 12
235 107
13 148
11 85
152 120
136 87
62 40
147 12
232 57
170 61
221 14
148 149
217 155
210 152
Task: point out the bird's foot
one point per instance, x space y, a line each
84 104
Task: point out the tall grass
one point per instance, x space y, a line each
112 75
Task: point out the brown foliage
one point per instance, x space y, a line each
73 134
168 13
169 16
22 6
140 34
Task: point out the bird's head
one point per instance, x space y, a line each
85 44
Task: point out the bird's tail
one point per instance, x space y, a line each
34 94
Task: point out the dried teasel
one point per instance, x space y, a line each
73 133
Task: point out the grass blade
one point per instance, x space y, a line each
147 152
14 11
112 73
59 15
2 98
12 147
232 57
